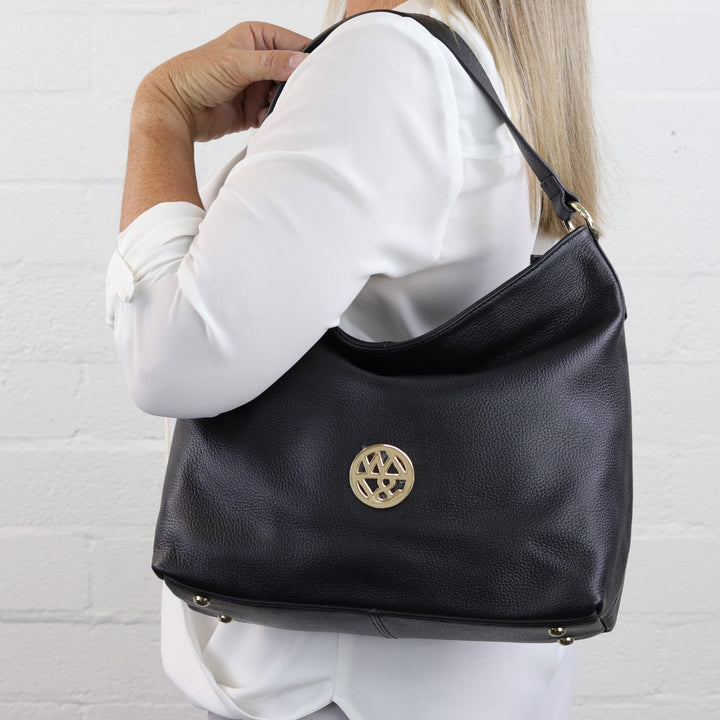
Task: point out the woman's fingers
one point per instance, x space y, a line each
263 51
254 99
215 75
277 65
264 36
222 86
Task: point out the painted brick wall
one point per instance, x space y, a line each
81 468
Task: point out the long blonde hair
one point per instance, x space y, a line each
542 52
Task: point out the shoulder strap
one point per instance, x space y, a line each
557 193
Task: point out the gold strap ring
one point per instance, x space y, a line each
586 217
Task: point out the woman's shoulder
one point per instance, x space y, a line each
370 72
400 48
383 40
388 28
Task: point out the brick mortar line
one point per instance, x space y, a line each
9 617
80 445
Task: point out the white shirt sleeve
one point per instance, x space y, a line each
353 174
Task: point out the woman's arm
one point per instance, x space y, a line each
354 174
219 88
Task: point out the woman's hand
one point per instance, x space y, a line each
222 87
225 85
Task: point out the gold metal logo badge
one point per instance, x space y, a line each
381 476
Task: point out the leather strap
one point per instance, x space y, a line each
556 192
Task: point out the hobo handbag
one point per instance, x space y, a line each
472 483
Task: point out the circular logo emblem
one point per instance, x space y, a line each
381 476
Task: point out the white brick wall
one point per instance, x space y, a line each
81 468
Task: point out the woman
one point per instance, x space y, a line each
381 195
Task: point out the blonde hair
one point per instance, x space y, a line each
542 52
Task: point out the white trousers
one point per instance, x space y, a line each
329 712
556 704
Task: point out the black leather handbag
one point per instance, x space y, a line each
472 483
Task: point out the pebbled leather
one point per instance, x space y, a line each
516 416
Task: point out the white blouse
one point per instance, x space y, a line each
381 195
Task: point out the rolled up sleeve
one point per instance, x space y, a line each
153 245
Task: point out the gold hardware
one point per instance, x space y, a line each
201 601
566 641
225 619
586 217
381 476
557 632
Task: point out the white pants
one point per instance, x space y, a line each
495 684
556 705
329 712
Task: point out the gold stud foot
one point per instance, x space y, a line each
225 618
566 641
201 601
557 632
